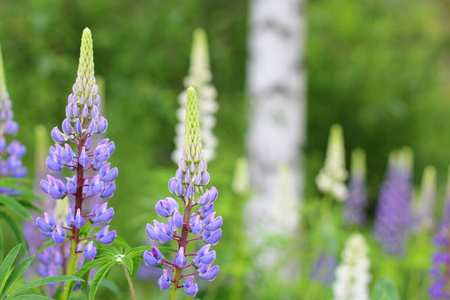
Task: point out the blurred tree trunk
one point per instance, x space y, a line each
276 86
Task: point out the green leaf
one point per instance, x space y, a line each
137 251
136 265
384 289
30 205
111 286
166 249
87 266
15 206
2 246
128 262
7 263
48 244
43 281
121 242
16 230
31 297
101 273
15 274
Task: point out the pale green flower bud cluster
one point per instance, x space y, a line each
332 177
199 77
192 138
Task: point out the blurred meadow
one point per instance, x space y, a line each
380 69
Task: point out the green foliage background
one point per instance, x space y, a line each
379 68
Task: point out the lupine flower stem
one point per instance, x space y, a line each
71 265
130 283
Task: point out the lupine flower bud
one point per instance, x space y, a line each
212 237
166 207
352 275
90 251
46 225
208 273
190 287
106 237
152 232
164 281
78 221
153 258
331 179
58 235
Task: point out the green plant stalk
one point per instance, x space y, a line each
130 283
174 288
70 267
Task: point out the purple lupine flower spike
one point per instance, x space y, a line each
441 258
355 206
74 149
10 152
198 218
393 215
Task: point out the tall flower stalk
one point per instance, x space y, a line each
200 77
331 178
73 150
440 261
423 214
10 152
198 221
352 275
354 212
393 215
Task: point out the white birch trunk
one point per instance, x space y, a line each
276 86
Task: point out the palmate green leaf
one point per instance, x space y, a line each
16 206
15 274
6 265
384 289
16 230
31 297
101 273
42 281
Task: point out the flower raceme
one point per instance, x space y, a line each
10 154
82 121
198 221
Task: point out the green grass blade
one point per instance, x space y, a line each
15 206
16 230
43 281
15 274
30 297
6 265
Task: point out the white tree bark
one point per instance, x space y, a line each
276 86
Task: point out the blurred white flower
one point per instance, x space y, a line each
352 277
200 78
331 178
